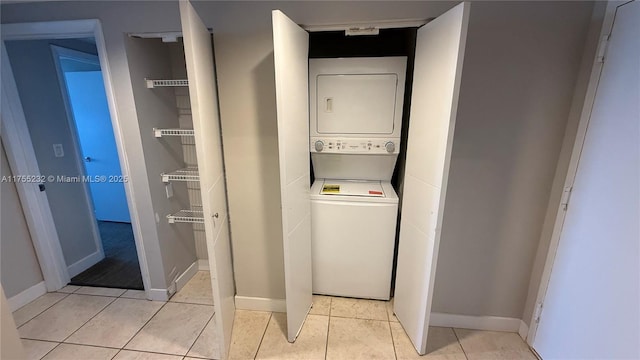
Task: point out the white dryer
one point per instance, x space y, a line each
355 124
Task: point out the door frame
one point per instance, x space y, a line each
57 52
21 154
570 178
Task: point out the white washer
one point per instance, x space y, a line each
353 227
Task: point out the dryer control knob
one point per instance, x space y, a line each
319 145
390 146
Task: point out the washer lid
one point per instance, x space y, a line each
352 188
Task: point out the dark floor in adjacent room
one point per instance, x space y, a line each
120 267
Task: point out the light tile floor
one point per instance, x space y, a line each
93 323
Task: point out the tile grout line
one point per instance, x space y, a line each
326 343
143 326
151 318
159 353
184 302
47 353
386 311
119 351
358 318
200 334
38 314
263 334
91 318
460 343
393 342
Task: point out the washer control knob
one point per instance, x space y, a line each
319 145
390 146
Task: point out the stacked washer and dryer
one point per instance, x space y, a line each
355 125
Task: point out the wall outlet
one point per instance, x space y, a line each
169 189
58 151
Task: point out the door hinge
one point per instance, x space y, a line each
538 312
566 195
602 48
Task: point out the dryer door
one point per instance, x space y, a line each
356 103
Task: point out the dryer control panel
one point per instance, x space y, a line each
344 145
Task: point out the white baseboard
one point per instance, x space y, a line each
158 294
84 263
260 304
523 330
494 323
203 264
184 278
19 300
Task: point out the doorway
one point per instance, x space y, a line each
70 127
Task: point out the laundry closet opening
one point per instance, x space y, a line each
364 258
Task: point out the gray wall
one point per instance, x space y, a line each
156 108
582 84
244 65
520 70
37 80
19 267
517 87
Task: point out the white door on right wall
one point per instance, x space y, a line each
592 305
440 48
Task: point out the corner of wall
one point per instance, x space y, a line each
579 102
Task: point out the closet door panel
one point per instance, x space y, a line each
438 67
206 125
291 51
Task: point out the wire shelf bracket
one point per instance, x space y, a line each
166 83
186 216
186 174
172 132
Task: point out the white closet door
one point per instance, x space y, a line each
206 124
291 52
592 304
436 79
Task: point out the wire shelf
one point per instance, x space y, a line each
166 83
186 216
186 174
172 132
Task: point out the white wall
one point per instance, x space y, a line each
518 91
520 69
19 267
37 81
